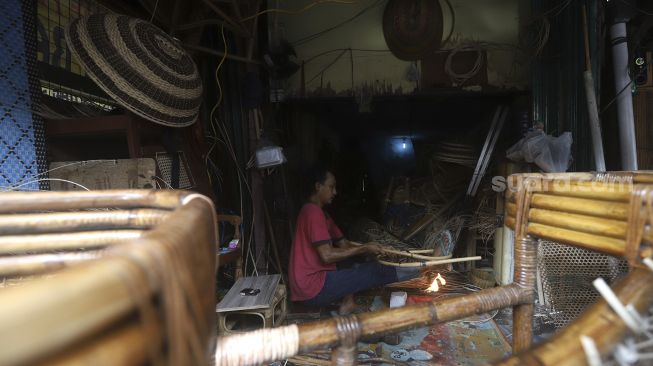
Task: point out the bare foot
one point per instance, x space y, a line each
348 305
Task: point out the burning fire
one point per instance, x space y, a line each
434 285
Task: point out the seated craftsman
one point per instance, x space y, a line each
316 274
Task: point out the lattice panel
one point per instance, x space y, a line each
53 17
164 163
567 274
22 142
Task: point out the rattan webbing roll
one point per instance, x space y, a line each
257 347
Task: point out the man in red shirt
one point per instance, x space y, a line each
319 245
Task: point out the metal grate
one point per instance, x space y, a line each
567 274
164 163
62 76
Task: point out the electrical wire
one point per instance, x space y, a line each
342 49
13 188
459 79
230 150
543 32
616 96
636 8
307 7
241 179
325 68
154 11
557 9
327 30
217 79
453 22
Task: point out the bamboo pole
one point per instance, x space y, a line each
580 223
591 207
598 322
638 177
509 222
76 221
603 209
17 244
511 209
325 333
126 345
608 191
611 246
26 265
568 186
63 305
17 202
524 277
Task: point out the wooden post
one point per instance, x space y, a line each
525 272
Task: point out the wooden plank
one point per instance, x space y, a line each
234 301
103 174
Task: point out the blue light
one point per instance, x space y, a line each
403 145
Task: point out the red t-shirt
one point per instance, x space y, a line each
306 271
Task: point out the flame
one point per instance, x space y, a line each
434 285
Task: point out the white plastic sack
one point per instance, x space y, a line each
551 154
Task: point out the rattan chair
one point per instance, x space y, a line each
107 278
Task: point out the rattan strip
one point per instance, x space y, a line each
20 244
76 221
27 265
21 202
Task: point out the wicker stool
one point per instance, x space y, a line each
268 306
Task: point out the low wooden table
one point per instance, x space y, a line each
268 305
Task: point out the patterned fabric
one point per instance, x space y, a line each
22 137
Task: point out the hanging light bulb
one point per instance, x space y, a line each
403 144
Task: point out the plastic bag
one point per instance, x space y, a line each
551 154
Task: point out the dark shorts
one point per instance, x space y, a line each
347 281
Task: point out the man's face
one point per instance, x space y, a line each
327 191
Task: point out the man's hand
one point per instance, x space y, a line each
373 248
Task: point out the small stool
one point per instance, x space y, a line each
268 305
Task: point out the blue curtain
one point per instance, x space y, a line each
22 142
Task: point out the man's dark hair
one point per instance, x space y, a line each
312 175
